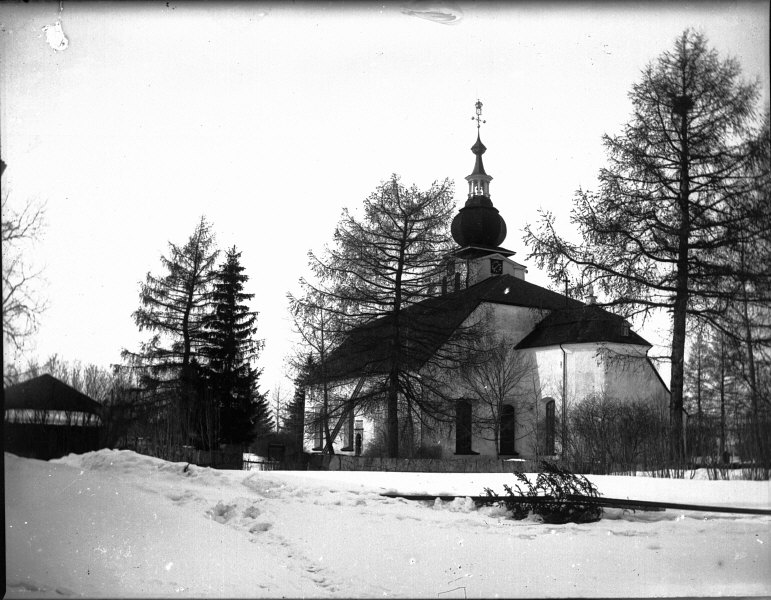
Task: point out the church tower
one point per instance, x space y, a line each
479 230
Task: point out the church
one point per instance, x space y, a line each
552 353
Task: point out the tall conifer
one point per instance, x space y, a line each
173 307
232 349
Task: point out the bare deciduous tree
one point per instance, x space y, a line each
22 299
498 378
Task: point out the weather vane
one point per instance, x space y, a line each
478 116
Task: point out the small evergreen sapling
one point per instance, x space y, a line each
555 497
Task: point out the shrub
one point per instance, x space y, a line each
609 435
553 497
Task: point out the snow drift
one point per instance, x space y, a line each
116 523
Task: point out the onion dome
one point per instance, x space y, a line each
478 222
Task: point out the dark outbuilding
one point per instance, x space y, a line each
46 418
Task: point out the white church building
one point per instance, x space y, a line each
565 351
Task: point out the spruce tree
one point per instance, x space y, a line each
231 350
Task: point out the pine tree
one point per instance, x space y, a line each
231 350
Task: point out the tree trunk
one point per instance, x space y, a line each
392 415
392 407
722 396
698 393
751 375
681 293
328 448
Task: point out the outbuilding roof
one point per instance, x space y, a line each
46 392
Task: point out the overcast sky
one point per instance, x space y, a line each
270 118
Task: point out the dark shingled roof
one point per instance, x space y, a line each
48 393
578 325
430 323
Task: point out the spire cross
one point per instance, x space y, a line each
478 118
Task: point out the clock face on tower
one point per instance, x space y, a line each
496 266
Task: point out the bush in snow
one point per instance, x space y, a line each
555 496
609 435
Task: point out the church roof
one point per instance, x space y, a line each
430 323
48 393
580 325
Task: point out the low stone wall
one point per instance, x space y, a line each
340 462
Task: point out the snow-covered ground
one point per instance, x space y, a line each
118 524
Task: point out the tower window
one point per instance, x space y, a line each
496 266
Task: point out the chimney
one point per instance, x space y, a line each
626 327
590 297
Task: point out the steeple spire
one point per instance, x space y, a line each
478 181
478 222
478 228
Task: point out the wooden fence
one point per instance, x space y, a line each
341 462
252 463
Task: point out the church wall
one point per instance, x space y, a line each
617 370
513 323
630 376
364 425
587 372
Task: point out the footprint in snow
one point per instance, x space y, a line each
181 497
222 513
260 527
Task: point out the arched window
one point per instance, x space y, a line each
508 430
550 428
346 433
463 427
318 430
